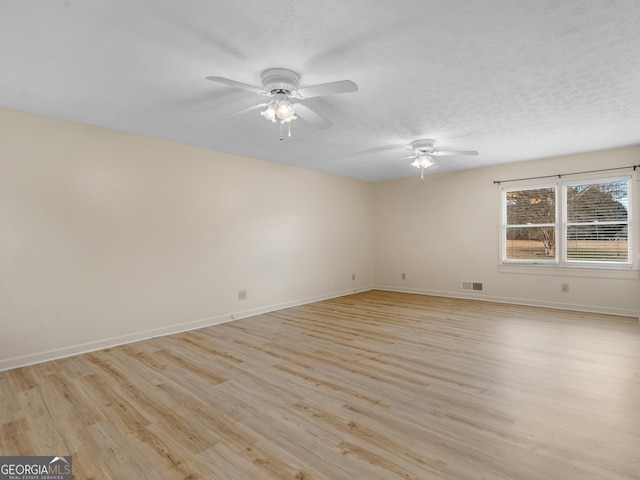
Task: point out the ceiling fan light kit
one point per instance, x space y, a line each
423 162
281 109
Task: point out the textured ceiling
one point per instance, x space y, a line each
514 80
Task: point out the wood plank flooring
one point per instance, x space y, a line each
376 385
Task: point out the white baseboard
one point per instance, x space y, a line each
624 312
68 351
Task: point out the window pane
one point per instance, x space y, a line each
601 243
530 243
597 202
531 207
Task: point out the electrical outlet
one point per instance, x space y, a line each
242 295
404 276
564 287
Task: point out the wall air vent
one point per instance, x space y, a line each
473 286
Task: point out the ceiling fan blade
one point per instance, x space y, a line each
233 83
245 110
312 117
331 88
450 153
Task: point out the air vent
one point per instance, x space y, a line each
473 286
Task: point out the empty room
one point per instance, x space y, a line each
320 240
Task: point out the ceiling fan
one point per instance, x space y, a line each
424 150
281 85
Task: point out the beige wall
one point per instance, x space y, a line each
446 230
107 237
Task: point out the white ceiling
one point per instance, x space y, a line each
513 79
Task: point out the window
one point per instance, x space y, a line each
530 230
580 223
597 222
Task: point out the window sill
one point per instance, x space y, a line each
585 272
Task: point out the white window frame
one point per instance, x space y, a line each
561 265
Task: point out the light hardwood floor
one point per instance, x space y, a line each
376 385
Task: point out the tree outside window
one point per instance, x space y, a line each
531 224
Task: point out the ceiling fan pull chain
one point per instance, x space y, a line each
289 129
422 173
280 131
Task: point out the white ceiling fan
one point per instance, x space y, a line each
281 85
424 150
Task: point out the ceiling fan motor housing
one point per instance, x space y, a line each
280 80
424 146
